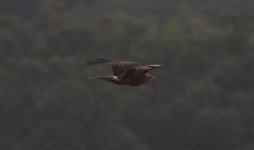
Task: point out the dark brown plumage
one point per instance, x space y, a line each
125 72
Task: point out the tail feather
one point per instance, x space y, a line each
108 78
99 77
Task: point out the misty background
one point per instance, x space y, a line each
202 99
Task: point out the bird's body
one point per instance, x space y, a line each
126 72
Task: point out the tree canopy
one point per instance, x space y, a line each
203 97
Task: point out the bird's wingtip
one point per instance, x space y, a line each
96 61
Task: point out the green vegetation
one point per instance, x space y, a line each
203 98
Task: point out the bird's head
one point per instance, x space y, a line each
150 77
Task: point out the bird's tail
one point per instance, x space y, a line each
97 61
108 78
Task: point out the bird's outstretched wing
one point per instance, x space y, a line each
118 67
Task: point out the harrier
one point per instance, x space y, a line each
125 72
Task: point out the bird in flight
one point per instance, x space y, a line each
125 72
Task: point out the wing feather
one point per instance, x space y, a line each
118 67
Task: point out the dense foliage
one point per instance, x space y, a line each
203 98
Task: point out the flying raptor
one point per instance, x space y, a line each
125 72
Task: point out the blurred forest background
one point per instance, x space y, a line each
203 98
